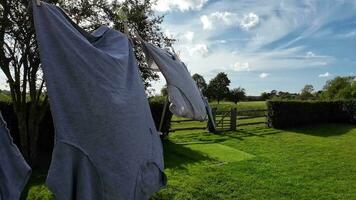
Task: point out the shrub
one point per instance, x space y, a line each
157 105
284 114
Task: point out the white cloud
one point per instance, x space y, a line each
246 22
222 41
327 74
345 35
221 18
189 36
225 17
207 24
249 21
199 49
182 5
241 67
309 54
350 34
264 75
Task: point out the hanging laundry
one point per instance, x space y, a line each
184 95
14 171
211 120
106 143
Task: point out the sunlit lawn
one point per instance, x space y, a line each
260 163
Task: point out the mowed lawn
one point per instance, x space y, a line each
316 162
255 162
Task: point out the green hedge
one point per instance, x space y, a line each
157 105
285 114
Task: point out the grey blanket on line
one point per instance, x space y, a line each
106 144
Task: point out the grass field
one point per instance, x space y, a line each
261 163
254 162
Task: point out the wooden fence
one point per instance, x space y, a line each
224 120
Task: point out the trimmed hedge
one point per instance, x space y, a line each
285 114
157 110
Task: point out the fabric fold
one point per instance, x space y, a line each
14 171
100 111
183 93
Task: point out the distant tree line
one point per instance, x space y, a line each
217 89
339 88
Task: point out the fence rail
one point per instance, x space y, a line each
226 120
252 117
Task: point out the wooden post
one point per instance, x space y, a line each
233 119
163 115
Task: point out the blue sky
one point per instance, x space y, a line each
264 45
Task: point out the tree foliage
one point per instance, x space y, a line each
164 91
199 79
340 88
237 94
307 92
140 18
218 87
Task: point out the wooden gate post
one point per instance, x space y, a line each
233 119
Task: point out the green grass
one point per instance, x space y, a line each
308 163
4 97
254 162
219 152
316 162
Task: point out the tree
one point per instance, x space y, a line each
218 87
199 79
140 18
286 95
20 62
340 88
269 95
307 92
164 91
237 94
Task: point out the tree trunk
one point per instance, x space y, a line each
23 133
29 125
36 114
33 141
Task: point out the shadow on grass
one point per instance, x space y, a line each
177 156
324 130
241 134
